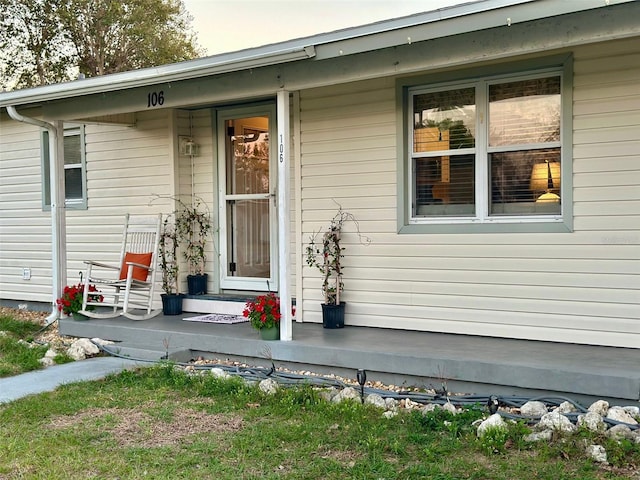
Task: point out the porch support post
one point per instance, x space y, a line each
284 209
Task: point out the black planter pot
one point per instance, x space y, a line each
172 304
333 315
197 284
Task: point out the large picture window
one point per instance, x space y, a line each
74 168
486 151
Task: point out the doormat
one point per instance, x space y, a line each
217 318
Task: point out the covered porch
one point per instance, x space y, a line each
462 363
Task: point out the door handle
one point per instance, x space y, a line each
271 195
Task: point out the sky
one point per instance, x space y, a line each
230 25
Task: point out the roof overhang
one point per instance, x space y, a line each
202 67
446 22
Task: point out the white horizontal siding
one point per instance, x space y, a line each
581 287
196 176
576 287
606 146
126 165
25 230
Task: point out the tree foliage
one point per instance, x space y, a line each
49 41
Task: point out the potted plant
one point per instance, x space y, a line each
70 303
193 228
327 257
264 315
168 253
187 229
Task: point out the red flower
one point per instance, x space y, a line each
264 311
71 300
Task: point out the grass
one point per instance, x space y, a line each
18 351
17 355
161 423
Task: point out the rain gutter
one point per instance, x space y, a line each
58 221
201 67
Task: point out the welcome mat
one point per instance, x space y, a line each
217 318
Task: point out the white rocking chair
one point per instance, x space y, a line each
128 286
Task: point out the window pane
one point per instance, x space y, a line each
248 167
444 120
525 182
445 186
524 112
249 248
72 155
73 183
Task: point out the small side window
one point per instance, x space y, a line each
74 169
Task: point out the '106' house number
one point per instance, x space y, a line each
155 99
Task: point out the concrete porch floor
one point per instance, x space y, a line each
466 364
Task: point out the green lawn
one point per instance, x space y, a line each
16 354
18 351
162 423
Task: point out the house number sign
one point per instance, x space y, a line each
281 149
155 99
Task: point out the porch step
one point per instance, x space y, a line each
224 304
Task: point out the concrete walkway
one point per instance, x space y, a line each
48 379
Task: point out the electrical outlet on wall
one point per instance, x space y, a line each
26 273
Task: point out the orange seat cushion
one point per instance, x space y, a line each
138 273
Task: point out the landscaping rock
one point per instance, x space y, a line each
268 386
327 394
76 352
600 407
392 404
430 407
449 407
620 432
633 411
48 359
533 409
219 373
82 348
375 400
495 421
545 436
555 421
620 415
598 453
592 421
566 407
100 341
390 413
348 393
409 404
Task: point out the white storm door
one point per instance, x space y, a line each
248 236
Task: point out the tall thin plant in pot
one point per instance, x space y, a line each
168 250
194 226
326 255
